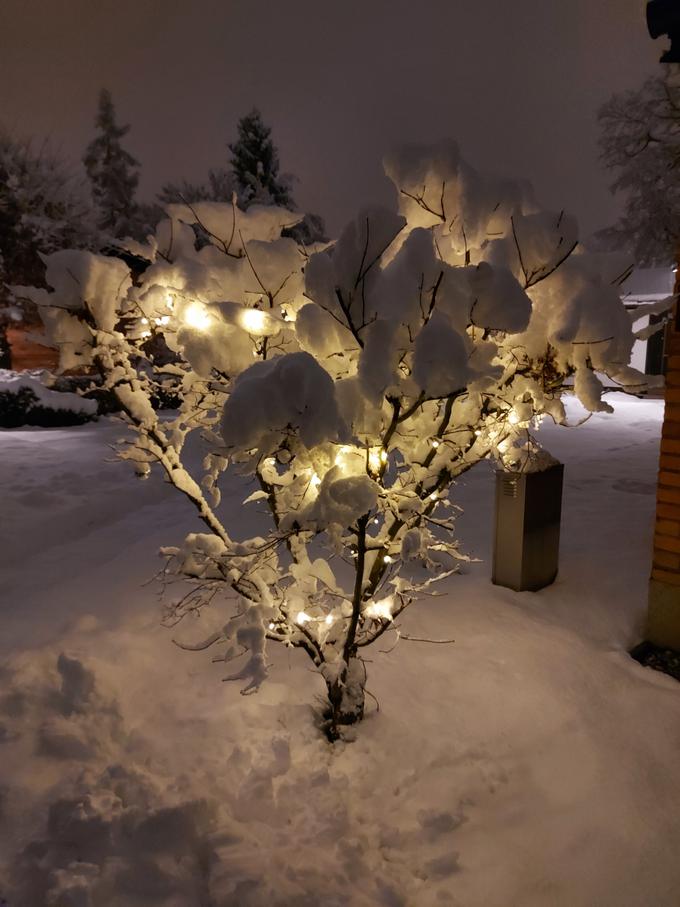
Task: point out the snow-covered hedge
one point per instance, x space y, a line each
24 400
353 383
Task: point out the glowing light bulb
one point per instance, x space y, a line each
329 619
477 432
376 459
272 626
302 618
253 320
435 443
388 558
381 610
145 320
434 496
376 520
341 455
197 316
146 334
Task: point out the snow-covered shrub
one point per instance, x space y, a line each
24 400
352 383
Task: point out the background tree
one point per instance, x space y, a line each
254 179
44 206
111 171
220 187
640 141
255 164
349 389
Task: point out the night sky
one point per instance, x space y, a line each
517 84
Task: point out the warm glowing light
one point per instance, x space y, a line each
376 521
381 610
254 321
434 496
316 481
513 417
197 316
435 443
270 461
477 432
302 618
388 558
341 455
376 459
272 626
146 334
329 619
145 320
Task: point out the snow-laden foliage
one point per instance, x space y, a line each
351 383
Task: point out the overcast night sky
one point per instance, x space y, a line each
517 84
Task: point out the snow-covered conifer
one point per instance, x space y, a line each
351 387
255 164
112 172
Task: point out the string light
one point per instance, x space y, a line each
302 618
376 458
388 559
197 316
145 320
434 496
340 457
329 619
381 610
146 334
254 320
435 443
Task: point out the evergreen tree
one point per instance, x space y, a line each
255 163
112 174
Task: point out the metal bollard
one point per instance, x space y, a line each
527 532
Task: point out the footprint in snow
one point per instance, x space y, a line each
633 487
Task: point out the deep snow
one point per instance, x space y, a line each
531 763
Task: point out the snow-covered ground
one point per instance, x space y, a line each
530 763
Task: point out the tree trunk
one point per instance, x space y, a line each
345 699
